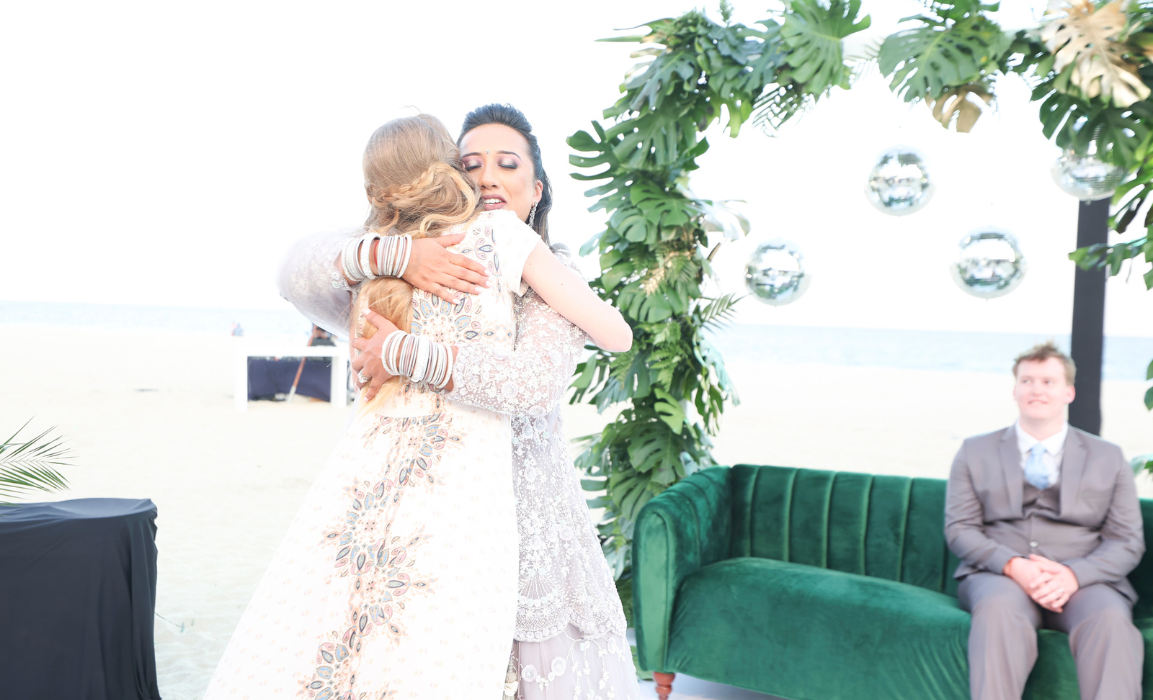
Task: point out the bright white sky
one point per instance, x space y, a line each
166 153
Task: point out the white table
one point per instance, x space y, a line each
338 386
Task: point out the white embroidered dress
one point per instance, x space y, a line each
570 628
397 577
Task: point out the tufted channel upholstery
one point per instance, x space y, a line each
817 585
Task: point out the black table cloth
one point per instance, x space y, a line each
77 599
268 377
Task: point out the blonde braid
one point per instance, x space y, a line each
414 185
391 195
438 186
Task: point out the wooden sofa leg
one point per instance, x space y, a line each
664 684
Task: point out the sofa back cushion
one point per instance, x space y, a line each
1142 576
889 527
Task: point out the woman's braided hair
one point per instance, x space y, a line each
413 178
414 185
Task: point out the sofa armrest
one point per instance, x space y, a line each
680 531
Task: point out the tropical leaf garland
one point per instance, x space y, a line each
1083 40
946 61
1083 63
31 466
655 251
811 58
813 36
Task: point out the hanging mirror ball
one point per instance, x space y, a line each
899 183
988 264
776 273
1086 177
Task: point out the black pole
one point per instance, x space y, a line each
1088 338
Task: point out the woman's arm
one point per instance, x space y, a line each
433 269
308 279
564 290
311 277
530 380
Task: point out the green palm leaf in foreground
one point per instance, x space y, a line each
31 466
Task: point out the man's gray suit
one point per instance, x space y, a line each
1090 521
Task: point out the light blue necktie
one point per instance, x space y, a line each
1035 471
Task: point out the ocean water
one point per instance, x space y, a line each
1125 358
264 323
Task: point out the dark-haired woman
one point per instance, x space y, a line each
570 628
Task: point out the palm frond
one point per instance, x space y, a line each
719 312
32 465
778 104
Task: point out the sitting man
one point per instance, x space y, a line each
1046 522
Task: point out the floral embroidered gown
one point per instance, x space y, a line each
397 577
570 628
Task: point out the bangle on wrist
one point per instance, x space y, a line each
417 358
364 255
355 257
392 255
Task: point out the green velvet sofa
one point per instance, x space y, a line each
817 585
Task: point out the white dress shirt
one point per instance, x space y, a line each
1054 449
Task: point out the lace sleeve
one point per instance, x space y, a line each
530 380
309 280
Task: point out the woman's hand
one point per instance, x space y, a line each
437 271
368 363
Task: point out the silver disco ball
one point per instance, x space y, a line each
1086 177
988 264
899 183
776 273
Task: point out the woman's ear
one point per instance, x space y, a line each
537 191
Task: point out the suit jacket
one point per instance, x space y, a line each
1098 533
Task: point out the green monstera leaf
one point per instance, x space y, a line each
813 34
928 60
812 58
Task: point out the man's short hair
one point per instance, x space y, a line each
1045 351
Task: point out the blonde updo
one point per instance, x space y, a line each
413 179
414 184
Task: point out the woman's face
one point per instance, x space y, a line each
497 159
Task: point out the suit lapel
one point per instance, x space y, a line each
1011 468
1072 469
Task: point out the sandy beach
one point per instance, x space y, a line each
150 415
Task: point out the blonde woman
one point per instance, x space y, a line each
570 630
397 578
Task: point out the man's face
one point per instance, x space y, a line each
1041 391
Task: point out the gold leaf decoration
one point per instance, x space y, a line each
1082 36
962 103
